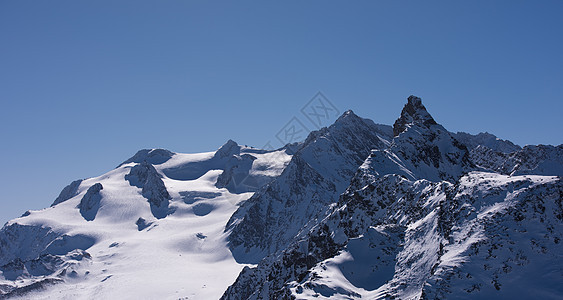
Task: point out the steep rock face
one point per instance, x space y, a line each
145 176
68 192
421 149
413 113
90 203
32 257
227 150
540 160
519 247
486 139
23 242
423 240
418 213
416 221
35 274
318 172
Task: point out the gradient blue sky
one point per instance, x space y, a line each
84 85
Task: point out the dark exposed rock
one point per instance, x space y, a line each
142 224
25 242
152 156
416 227
68 192
90 203
486 139
429 220
236 176
145 176
413 113
421 149
228 149
428 215
318 172
37 285
532 159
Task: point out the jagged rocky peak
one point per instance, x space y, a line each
229 148
347 116
350 131
421 149
349 119
413 112
318 172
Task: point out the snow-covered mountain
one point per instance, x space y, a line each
424 218
320 170
152 228
357 210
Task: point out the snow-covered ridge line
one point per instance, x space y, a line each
427 217
358 209
158 208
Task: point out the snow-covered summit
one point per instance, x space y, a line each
357 210
421 220
420 149
151 228
488 140
319 171
532 159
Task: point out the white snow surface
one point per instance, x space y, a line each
181 256
424 216
380 263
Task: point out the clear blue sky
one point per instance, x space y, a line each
84 85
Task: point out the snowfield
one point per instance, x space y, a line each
183 255
356 211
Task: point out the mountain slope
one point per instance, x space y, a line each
424 224
488 140
532 159
357 210
319 171
133 227
421 148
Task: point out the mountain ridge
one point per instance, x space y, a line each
358 209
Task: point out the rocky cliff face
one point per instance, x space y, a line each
421 148
357 210
68 192
90 203
422 219
145 176
488 140
413 113
396 238
539 160
296 200
35 257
